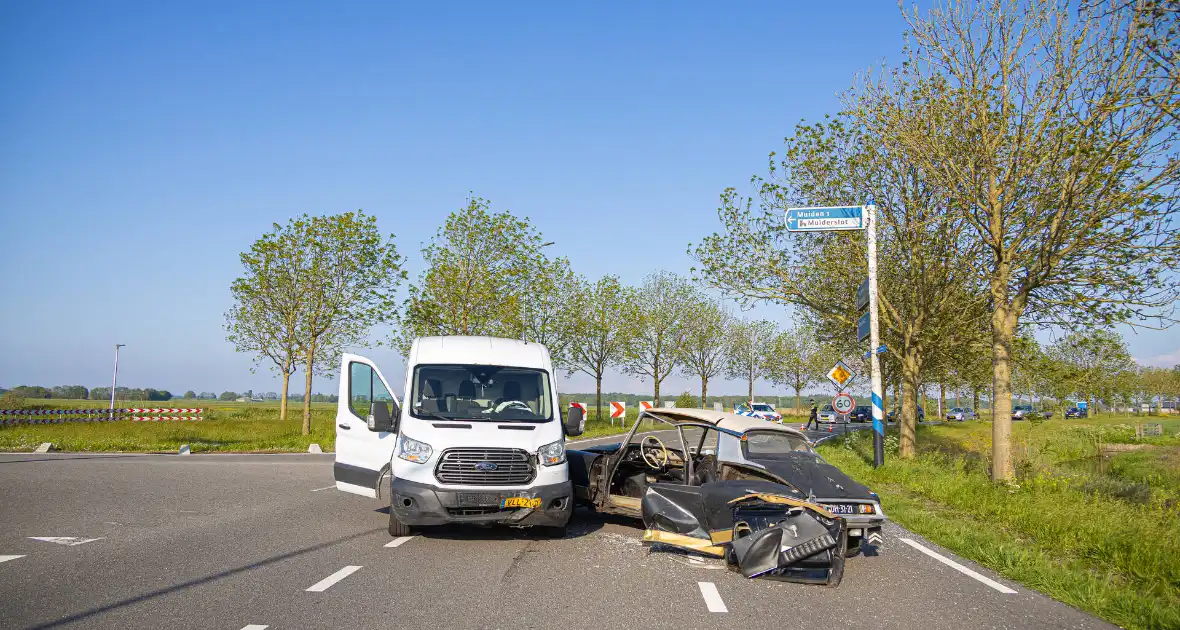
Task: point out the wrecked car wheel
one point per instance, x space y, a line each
853 547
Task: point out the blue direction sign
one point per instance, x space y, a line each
862 327
825 219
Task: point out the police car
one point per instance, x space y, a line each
765 411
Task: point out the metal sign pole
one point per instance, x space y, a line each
875 341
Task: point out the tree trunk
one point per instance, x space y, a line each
283 400
598 399
908 422
1003 332
798 398
704 392
751 388
656 402
975 399
309 369
941 400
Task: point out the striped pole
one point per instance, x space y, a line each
875 342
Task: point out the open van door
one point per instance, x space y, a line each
366 426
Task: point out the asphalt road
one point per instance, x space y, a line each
237 541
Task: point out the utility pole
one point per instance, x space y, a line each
115 379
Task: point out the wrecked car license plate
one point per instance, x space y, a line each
521 502
841 508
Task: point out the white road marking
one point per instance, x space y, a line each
712 597
398 542
326 583
958 567
65 540
7 558
255 626
332 487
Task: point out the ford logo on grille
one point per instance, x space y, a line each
486 466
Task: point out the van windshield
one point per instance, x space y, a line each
481 392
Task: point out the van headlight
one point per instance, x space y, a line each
553 453
412 450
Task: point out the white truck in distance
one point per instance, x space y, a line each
477 439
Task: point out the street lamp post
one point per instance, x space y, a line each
115 378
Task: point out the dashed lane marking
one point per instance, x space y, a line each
7 558
958 567
399 541
324 488
326 583
255 626
712 597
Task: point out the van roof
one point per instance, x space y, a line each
458 349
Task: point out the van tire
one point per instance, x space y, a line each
396 527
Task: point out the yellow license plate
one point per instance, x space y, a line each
521 502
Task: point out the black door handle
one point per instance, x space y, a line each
344 426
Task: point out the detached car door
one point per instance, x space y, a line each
362 456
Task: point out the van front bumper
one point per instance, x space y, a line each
424 504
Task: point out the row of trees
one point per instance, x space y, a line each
310 288
1021 159
78 392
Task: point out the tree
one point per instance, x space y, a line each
479 271
602 329
686 401
703 350
1046 134
75 392
927 301
227 396
1094 359
190 394
1158 383
270 300
750 351
549 315
797 361
657 316
348 285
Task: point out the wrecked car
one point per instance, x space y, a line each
733 487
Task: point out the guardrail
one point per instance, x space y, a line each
10 417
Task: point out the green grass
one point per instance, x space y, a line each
233 427
1102 538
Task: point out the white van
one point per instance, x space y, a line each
478 439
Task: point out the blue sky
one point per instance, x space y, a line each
143 145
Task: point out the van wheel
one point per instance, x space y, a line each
396 527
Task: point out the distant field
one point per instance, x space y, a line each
226 426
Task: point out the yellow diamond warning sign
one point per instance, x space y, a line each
841 375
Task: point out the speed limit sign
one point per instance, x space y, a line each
843 404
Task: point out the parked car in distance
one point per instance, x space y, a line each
921 415
827 414
1075 412
862 413
960 414
766 411
1023 412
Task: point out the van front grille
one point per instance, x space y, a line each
485 467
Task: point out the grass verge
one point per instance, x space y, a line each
1073 533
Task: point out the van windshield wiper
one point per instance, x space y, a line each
434 414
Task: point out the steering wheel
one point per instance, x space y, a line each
652 457
511 404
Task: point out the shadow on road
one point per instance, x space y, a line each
199 581
583 523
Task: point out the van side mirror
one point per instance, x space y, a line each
575 421
380 419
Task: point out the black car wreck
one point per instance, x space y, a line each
750 491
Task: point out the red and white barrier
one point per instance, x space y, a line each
164 418
11 417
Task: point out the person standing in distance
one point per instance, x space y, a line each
814 417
